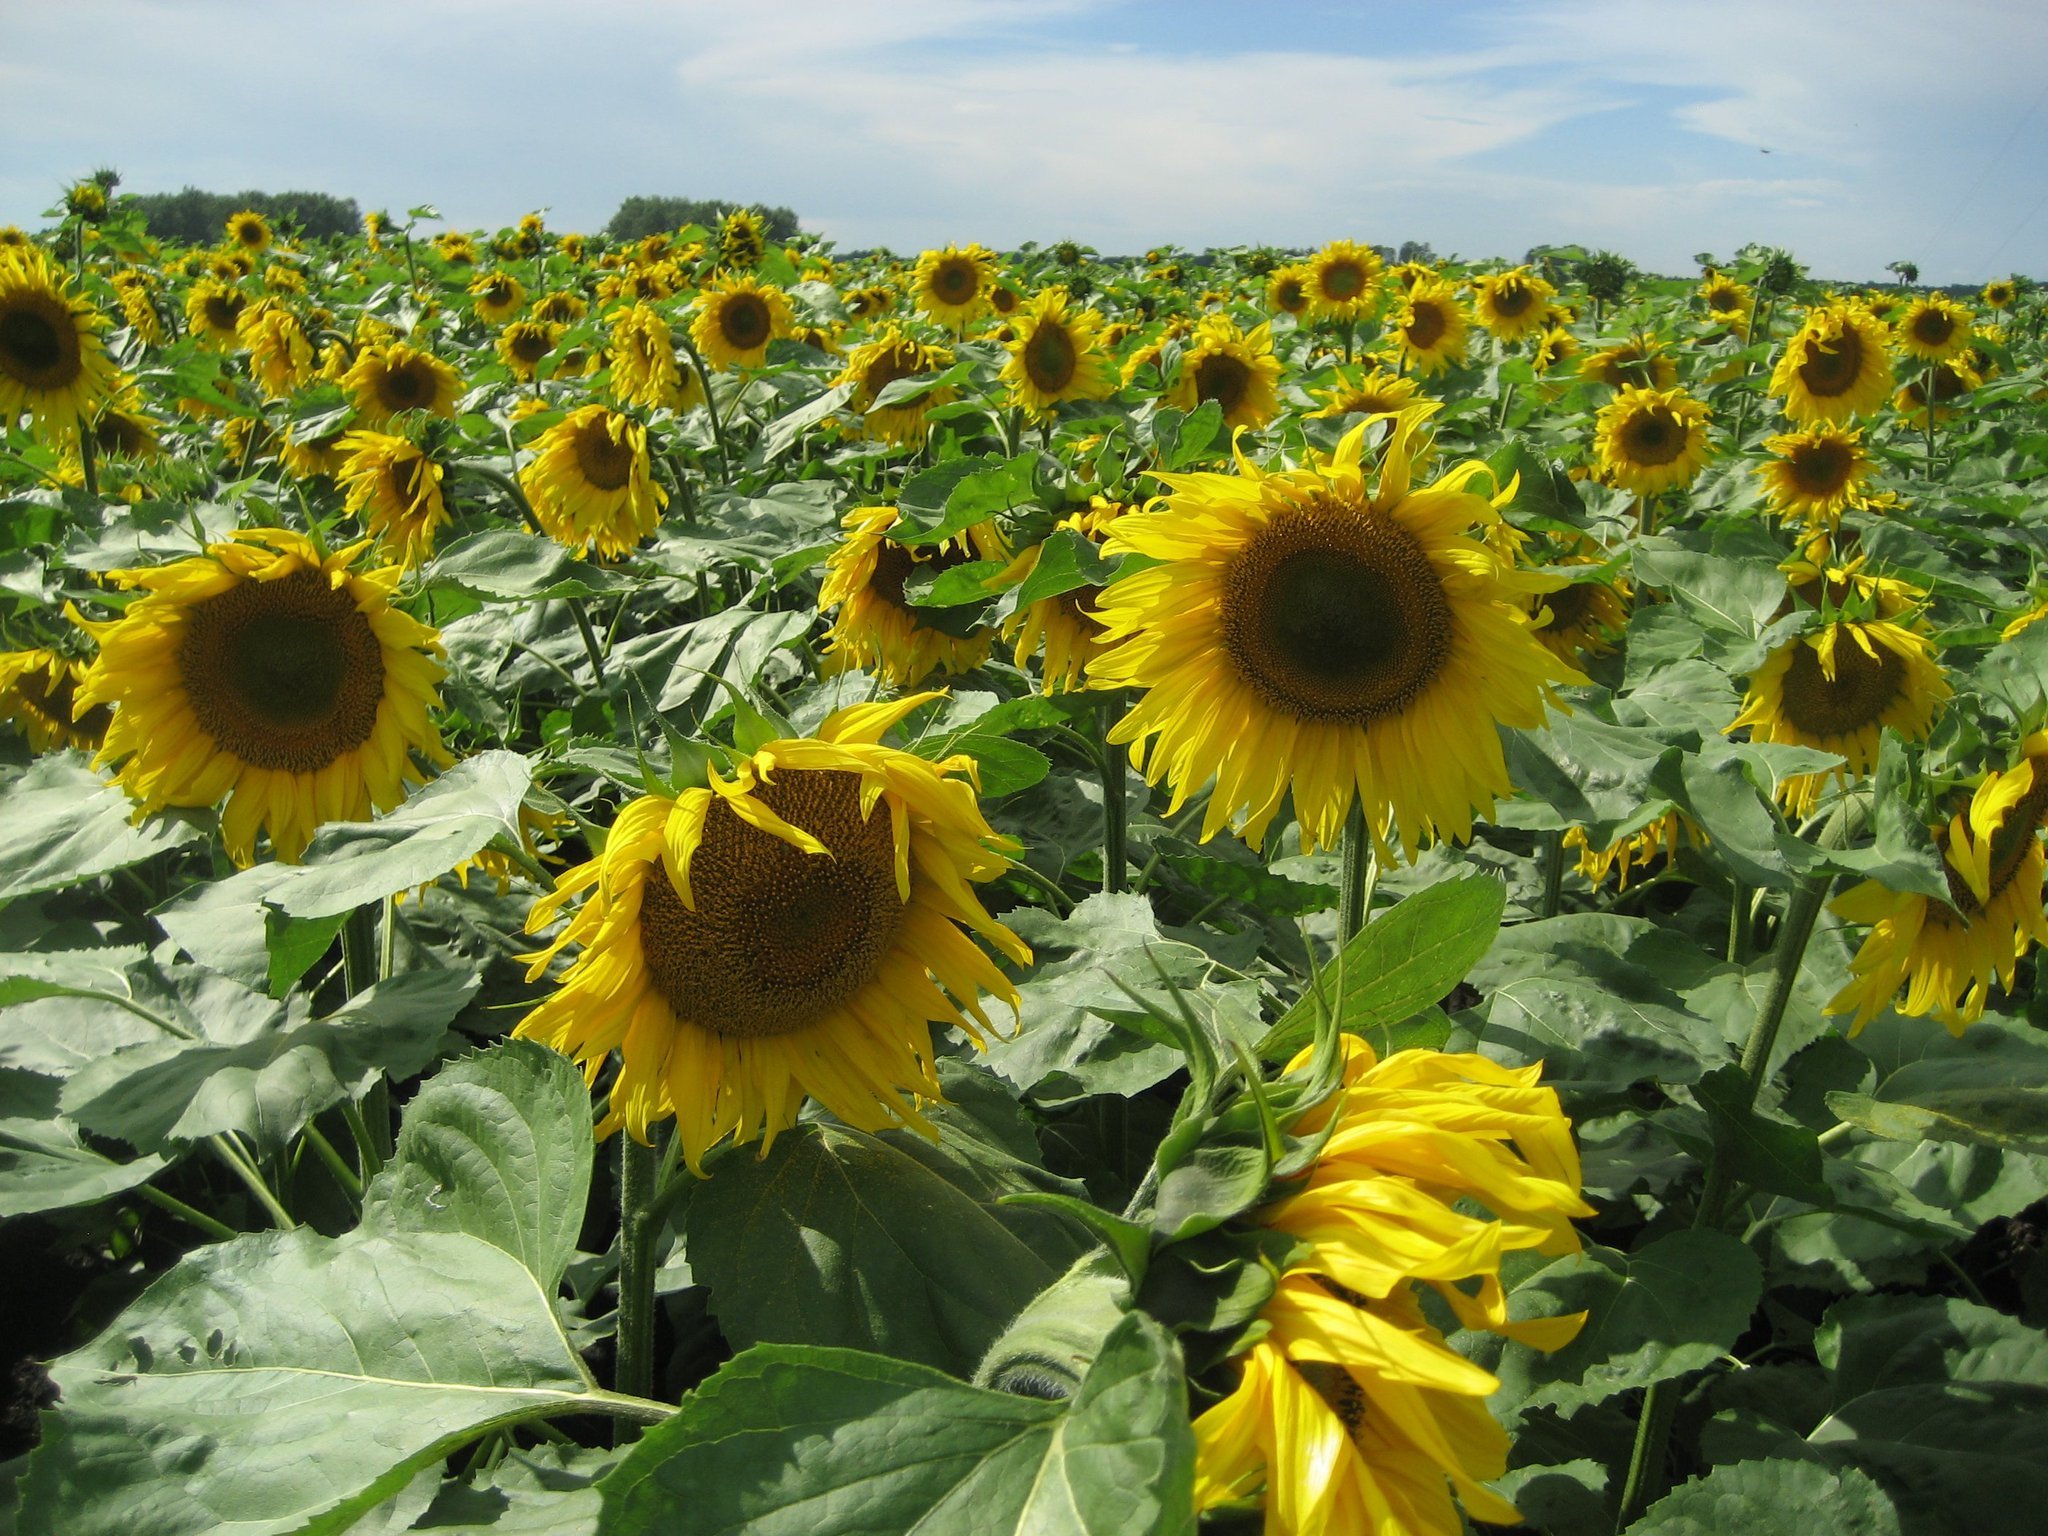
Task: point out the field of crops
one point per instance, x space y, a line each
715 886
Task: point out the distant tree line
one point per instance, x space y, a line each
639 217
200 218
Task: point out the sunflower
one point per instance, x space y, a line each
525 344
877 627
231 266
498 296
305 458
1649 440
1946 955
249 231
455 248
138 301
1341 280
37 691
645 370
124 430
736 319
1583 619
1378 393
1933 329
779 934
1064 626
279 278
1662 838
1952 380
1834 367
269 672
591 483
392 378
559 308
952 286
212 311
1817 474
1430 328
1513 303
280 352
869 302
1637 362
1558 346
1234 368
1287 292
396 490
1304 632
1727 301
1056 355
1349 1411
2000 292
742 239
53 366
875 365
1838 690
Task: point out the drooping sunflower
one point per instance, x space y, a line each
1306 632
591 483
781 934
212 310
1378 393
1638 361
1287 292
736 319
498 296
1835 366
1817 473
385 380
1638 851
1649 440
559 308
310 456
138 300
1818 581
267 672
873 366
1583 619
395 489
525 344
281 357
1064 625
1057 355
1513 303
2000 292
54 368
37 690
1350 1412
1430 329
1933 329
249 231
870 302
1236 369
1727 301
1946 955
952 285
1952 380
1837 690
645 369
1341 280
742 239
876 626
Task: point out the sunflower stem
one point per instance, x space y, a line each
710 405
245 1170
1738 921
1111 763
633 1364
1359 872
88 457
219 1231
1927 403
344 1175
362 959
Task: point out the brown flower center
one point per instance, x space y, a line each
39 342
1822 468
1652 436
1343 280
744 322
955 281
1049 358
1831 368
1426 326
1933 327
1512 298
605 459
1222 378
1862 689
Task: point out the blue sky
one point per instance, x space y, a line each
1895 129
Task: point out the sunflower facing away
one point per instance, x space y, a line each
1306 632
877 627
53 366
1650 440
1835 366
742 239
1511 304
645 370
1662 838
1817 473
952 286
1933 329
736 319
873 366
1837 690
1341 280
1430 328
396 490
37 690
591 482
1236 369
1350 1413
1583 619
281 358
784 933
1946 955
267 672
385 380
1056 355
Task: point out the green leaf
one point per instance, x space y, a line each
1182 439
782 434
498 1145
1902 856
2012 1118
953 587
1400 962
939 502
296 945
1590 772
1673 1306
290 1382
549 1490
1005 766
511 565
1068 560
1734 595
828 1442
1243 879
1773 1498
45 1167
837 1237
1768 1154
66 825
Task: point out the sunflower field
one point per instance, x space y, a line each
708 885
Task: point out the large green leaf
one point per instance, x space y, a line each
830 1442
1773 1498
45 1167
289 1382
511 565
497 1145
1401 962
2015 1117
836 1237
65 825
